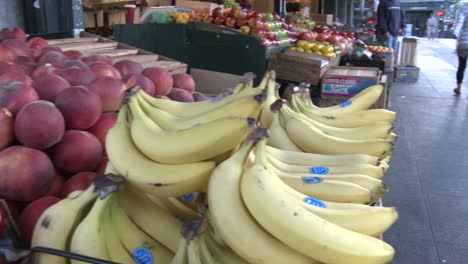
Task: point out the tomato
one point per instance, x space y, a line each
322 37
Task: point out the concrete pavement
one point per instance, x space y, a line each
428 177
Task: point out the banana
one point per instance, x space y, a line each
181 256
115 248
196 108
303 182
205 254
229 217
313 140
193 252
363 169
347 120
135 240
154 221
361 101
59 222
301 229
378 130
158 179
332 190
243 107
224 255
176 207
266 115
89 238
278 137
186 146
301 158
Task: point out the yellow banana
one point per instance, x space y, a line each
278 138
181 256
301 229
246 106
57 224
158 179
186 146
193 252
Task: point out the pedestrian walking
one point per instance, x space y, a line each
390 20
460 33
432 27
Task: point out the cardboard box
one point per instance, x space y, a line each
406 74
343 81
323 18
197 6
299 66
381 103
389 61
214 83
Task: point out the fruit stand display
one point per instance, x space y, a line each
108 153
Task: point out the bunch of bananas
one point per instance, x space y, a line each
201 183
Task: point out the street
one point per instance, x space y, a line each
428 178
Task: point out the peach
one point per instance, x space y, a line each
10 67
13 33
27 173
126 67
19 47
184 81
80 107
18 77
98 58
110 91
77 76
102 166
78 151
44 70
57 185
101 69
7 135
139 79
57 59
6 54
37 43
161 78
31 214
73 54
181 95
78 182
102 126
14 95
44 50
75 63
39 125
28 64
48 86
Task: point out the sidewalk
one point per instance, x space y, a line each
428 178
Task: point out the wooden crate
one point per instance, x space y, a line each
89 44
300 67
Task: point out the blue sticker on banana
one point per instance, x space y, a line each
319 170
188 197
142 255
346 103
217 99
312 180
314 202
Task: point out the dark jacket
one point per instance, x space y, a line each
390 17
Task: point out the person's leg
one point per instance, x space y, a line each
388 42
394 42
460 74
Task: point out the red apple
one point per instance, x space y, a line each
48 86
57 185
306 35
110 91
102 126
80 181
138 79
19 47
231 22
6 67
220 20
6 54
256 14
37 43
14 95
28 64
208 19
240 13
218 11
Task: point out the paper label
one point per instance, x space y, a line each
142 255
314 202
319 170
312 180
